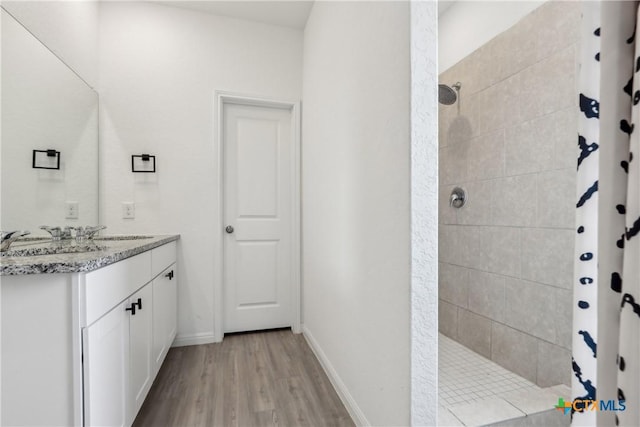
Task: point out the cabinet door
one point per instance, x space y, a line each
106 365
141 371
165 292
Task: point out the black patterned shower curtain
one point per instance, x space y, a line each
606 321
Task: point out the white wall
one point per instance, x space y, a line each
159 67
356 202
68 28
424 214
467 25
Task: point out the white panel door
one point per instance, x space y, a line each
258 175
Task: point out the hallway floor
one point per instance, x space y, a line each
252 379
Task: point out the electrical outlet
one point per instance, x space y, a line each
71 210
128 210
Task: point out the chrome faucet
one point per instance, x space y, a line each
10 237
88 232
57 233
81 233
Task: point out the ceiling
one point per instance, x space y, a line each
287 13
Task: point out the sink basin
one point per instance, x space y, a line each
125 237
53 250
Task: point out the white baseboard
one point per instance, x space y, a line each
194 339
347 400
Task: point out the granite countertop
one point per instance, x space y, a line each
106 250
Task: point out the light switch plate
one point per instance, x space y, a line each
128 210
71 210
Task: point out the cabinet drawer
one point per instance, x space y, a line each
162 257
108 286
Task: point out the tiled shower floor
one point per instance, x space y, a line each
474 391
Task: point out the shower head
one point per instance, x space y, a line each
447 95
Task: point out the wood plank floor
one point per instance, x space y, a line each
267 378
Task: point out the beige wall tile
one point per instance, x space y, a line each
460 129
529 308
514 201
453 284
564 317
445 117
472 83
549 85
485 156
547 256
469 107
513 99
448 319
500 50
485 72
477 209
544 143
486 294
556 199
504 251
453 163
527 146
474 332
565 140
554 365
532 86
518 46
562 74
561 23
473 242
491 109
449 248
514 350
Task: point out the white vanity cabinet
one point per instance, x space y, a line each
118 368
165 314
141 327
105 346
84 348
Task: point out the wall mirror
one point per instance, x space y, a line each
45 106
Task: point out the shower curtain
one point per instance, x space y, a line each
606 320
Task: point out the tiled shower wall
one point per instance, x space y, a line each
506 257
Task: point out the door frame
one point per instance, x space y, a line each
221 98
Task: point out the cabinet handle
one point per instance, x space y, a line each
139 303
169 275
132 309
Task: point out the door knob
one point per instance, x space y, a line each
229 229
